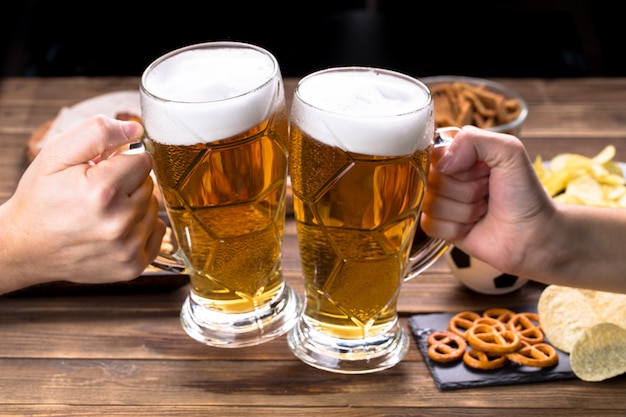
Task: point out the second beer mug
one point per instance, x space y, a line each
216 128
360 148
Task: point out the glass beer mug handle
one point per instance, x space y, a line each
426 250
169 259
445 135
169 263
424 256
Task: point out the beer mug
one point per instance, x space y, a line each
359 156
216 128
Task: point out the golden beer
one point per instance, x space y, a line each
226 203
217 130
355 220
359 155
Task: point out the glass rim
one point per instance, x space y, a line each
208 45
361 69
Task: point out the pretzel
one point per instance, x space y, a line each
495 323
539 355
488 339
478 359
128 116
527 327
460 103
501 314
495 338
460 322
445 346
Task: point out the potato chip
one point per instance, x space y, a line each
599 353
570 162
611 307
614 168
576 179
607 154
587 189
614 192
566 313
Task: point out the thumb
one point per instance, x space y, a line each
89 141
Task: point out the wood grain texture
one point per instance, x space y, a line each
108 351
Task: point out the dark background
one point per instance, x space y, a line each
546 38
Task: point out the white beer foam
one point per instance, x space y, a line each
199 95
369 112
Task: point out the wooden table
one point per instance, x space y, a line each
115 352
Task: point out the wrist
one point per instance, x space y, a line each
545 244
580 246
15 255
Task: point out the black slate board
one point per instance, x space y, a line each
457 375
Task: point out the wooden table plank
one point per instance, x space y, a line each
182 410
266 383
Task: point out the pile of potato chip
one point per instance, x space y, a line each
577 179
460 103
590 326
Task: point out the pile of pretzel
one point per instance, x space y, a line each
460 103
489 341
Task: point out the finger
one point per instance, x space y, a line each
476 171
125 173
142 245
473 144
133 208
454 211
141 198
449 231
152 229
155 241
459 190
89 140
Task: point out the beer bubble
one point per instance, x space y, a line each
354 109
204 95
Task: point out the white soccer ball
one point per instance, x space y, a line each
479 276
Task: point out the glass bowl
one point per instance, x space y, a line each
513 126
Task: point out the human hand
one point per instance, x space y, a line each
82 212
484 197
